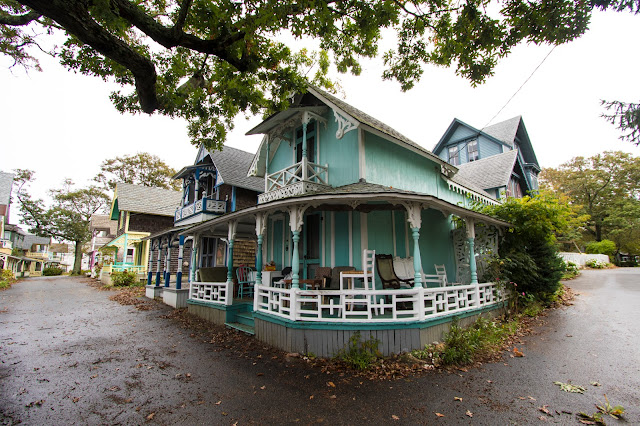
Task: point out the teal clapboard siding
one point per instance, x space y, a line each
389 164
342 238
487 148
380 235
436 246
282 158
400 226
341 155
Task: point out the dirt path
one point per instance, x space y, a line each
70 355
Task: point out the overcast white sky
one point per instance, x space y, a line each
63 125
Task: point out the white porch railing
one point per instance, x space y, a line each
216 293
298 172
6 244
360 305
294 180
203 205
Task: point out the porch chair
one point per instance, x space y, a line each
441 271
384 265
323 274
246 281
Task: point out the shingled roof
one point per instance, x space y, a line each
505 131
145 199
102 221
233 164
490 172
30 240
6 183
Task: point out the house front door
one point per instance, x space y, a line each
311 246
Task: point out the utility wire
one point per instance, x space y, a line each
520 88
508 101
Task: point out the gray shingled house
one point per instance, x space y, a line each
216 184
499 158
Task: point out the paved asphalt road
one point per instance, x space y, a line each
69 355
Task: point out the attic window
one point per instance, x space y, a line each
454 156
472 150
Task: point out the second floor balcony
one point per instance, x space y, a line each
200 209
6 244
300 178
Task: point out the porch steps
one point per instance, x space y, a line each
242 327
245 318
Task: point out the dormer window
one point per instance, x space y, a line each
454 156
472 150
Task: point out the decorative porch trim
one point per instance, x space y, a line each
345 125
298 188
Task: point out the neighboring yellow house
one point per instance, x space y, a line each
140 212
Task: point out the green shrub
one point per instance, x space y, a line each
360 354
607 247
124 279
51 271
462 346
529 249
571 270
6 278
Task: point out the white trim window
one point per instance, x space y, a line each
472 150
454 155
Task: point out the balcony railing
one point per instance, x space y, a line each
204 205
6 244
297 179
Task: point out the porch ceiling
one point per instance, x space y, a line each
364 201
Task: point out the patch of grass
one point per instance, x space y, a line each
360 354
462 346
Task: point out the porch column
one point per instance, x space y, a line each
150 273
305 120
231 236
471 235
414 217
196 185
159 246
296 218
261 226
194 259
179 271
167 264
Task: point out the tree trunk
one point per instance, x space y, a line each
598 232
77 264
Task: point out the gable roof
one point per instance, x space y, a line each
30 240
233 165
6 184
505 131
145 199
351 113
490 172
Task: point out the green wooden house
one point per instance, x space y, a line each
341 189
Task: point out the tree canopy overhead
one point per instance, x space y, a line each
210 61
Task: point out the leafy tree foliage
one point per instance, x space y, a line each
529 250
606 188
67 218
141 169
209 61
607 247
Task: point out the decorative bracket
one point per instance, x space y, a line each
261 223
414 216
296 217
233 225
353 204
471 230
344 125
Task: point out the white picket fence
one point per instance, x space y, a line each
581 259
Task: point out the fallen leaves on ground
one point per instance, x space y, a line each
439 415
132 296
568 387
457 398
468 414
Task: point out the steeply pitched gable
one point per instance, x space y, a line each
491 172
145 199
